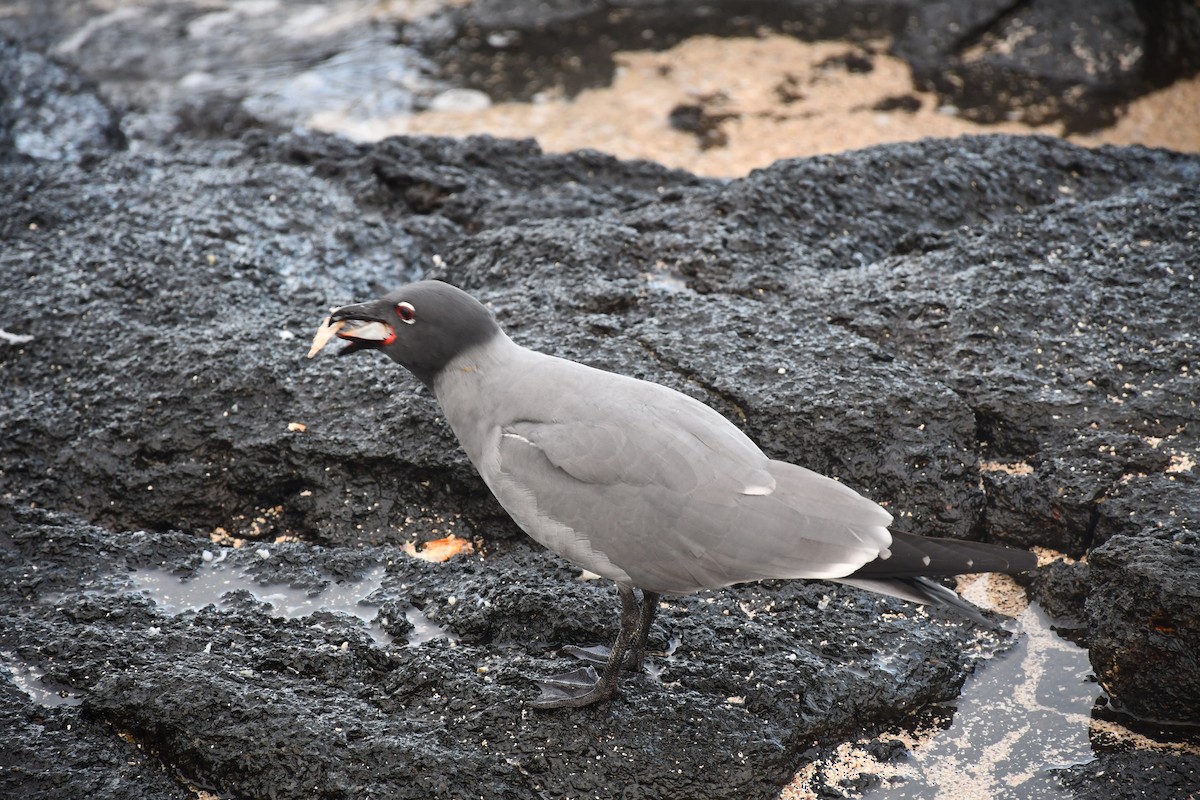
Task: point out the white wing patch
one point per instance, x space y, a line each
518 437
758 491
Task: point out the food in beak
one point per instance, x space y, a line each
367 335
324 334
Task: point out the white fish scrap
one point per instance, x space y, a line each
324 334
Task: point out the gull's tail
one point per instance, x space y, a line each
914 560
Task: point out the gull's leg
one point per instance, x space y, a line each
582 687
637 648
597 655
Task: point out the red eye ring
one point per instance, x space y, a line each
407 314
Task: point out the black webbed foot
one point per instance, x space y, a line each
583 686
598 654
574 689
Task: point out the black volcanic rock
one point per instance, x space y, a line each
47 112
877 315
1144 614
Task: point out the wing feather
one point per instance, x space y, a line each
650 510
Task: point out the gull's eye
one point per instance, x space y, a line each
406 312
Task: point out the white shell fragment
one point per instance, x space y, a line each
324 334
371 332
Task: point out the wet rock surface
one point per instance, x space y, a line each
1116 776
1145 620
995 337
46 112
233 698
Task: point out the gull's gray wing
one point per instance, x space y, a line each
664 493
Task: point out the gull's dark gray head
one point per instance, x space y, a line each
421 326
